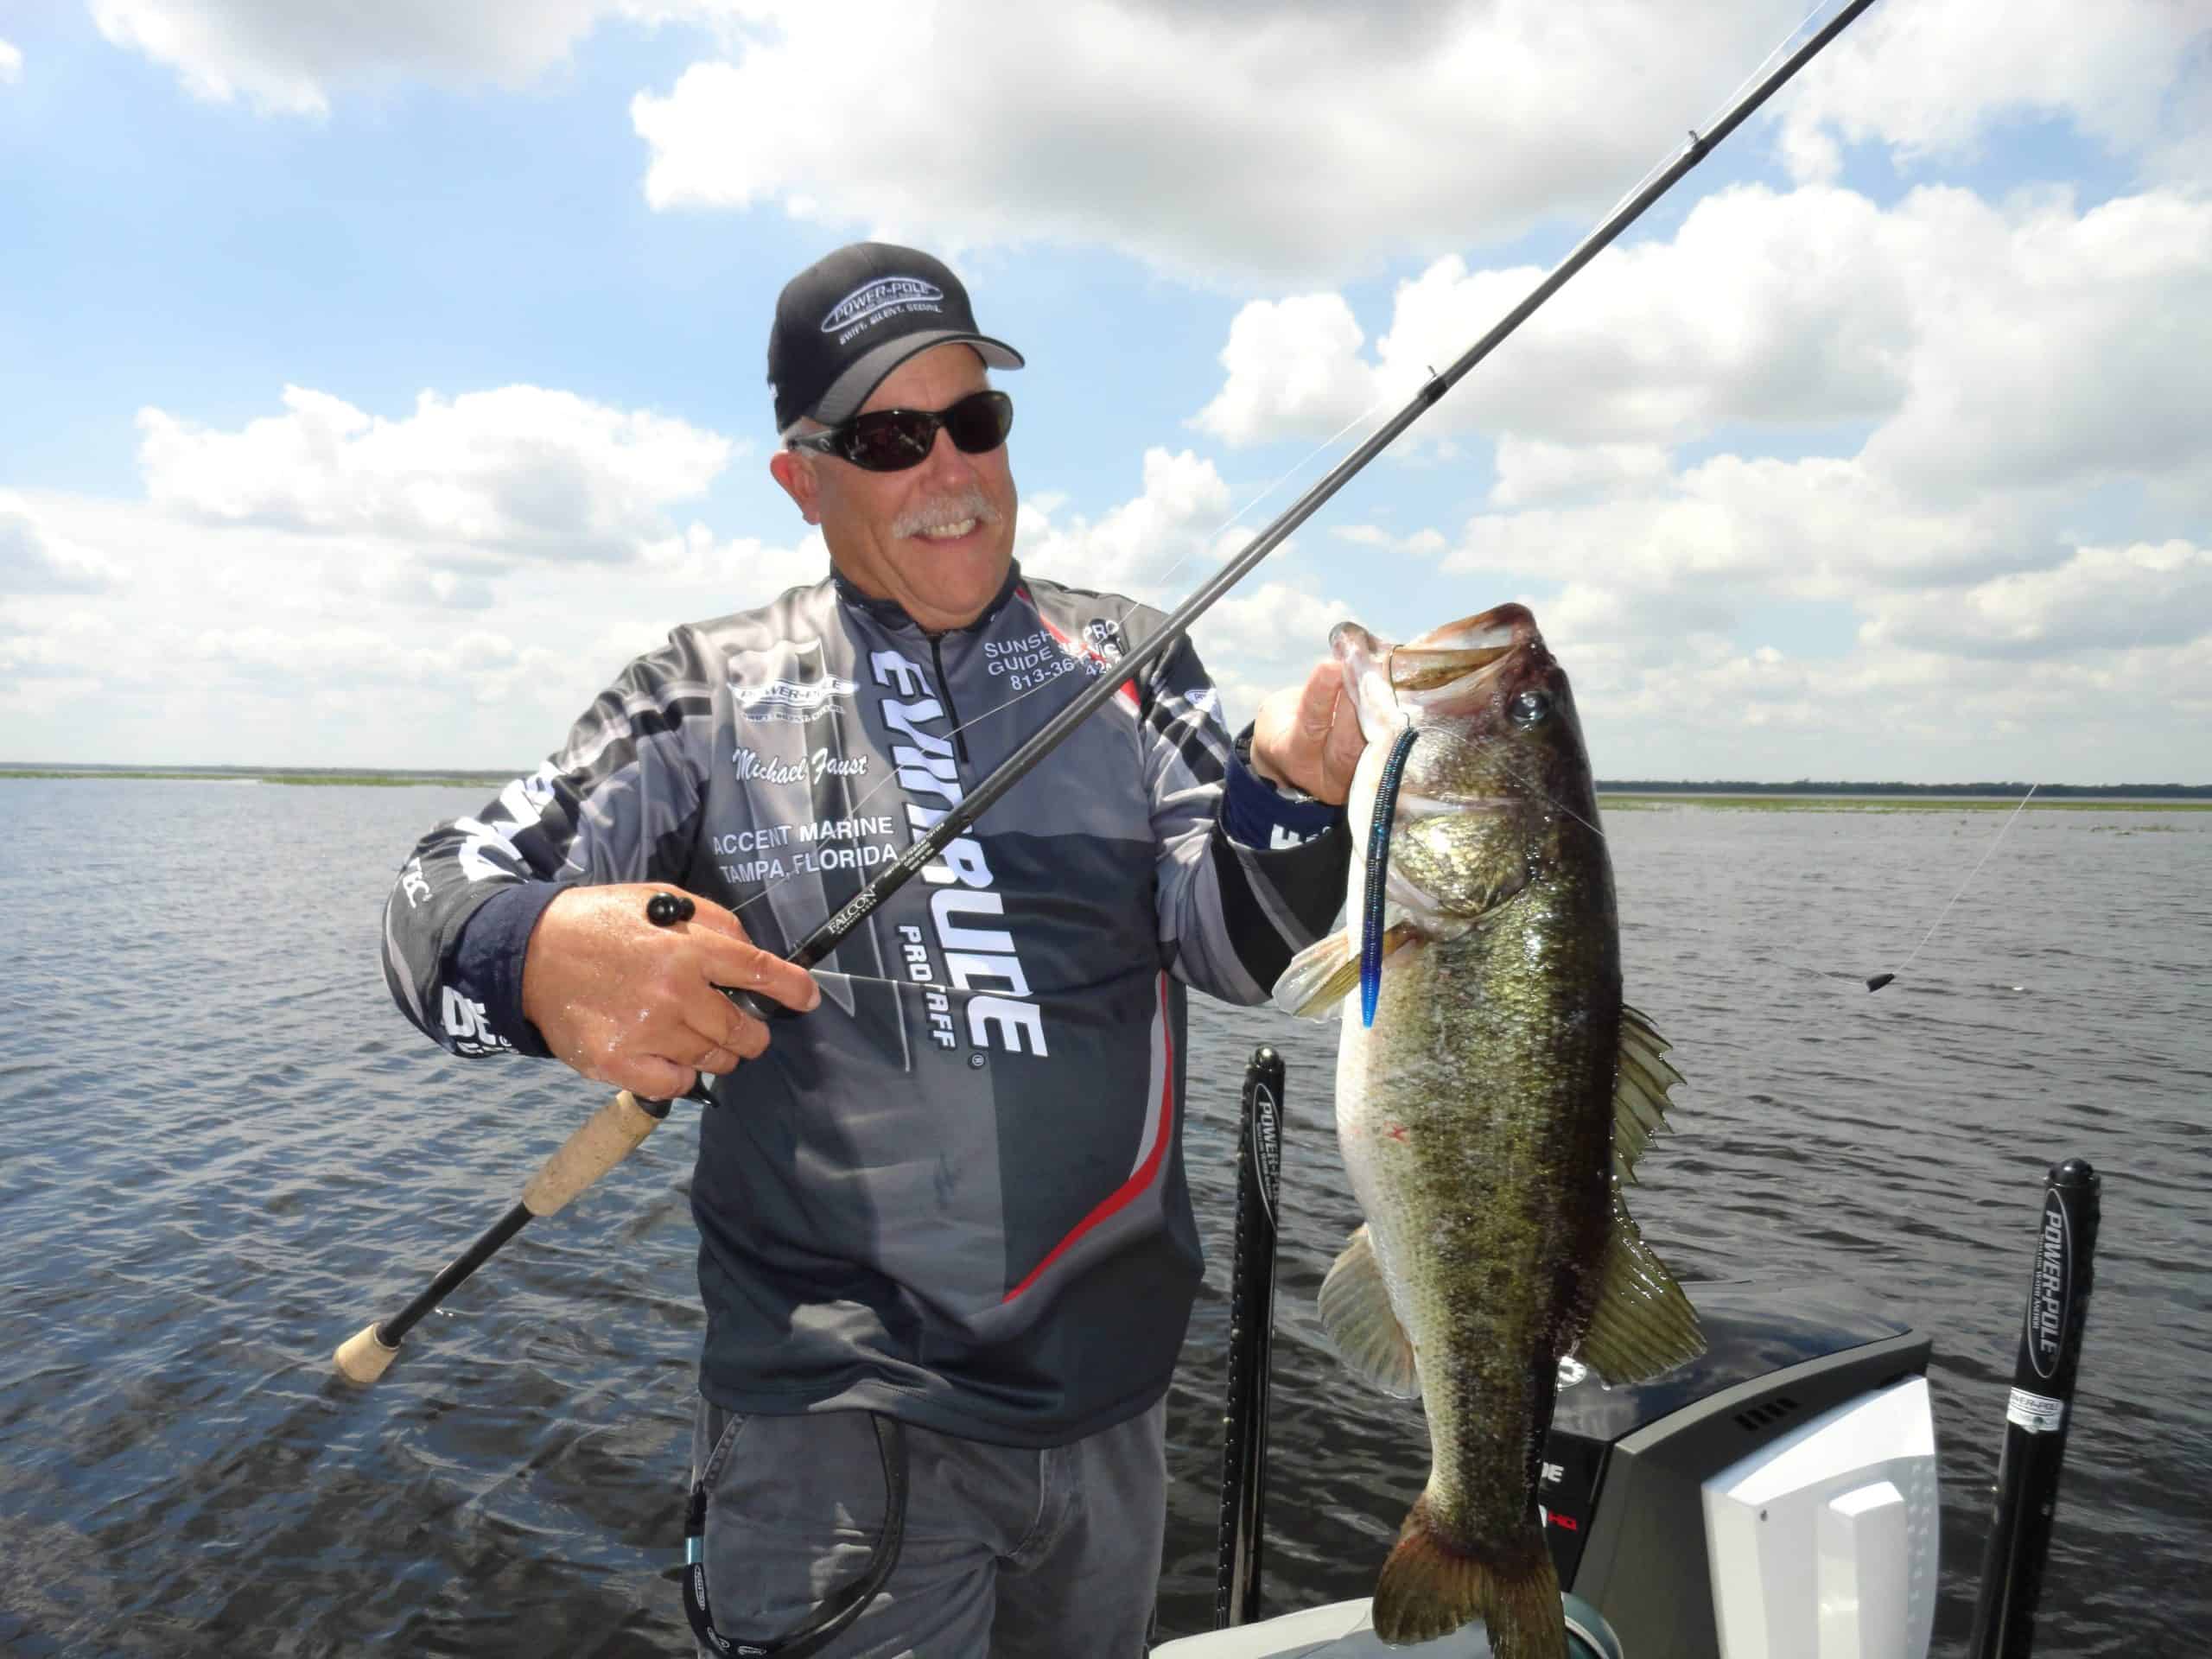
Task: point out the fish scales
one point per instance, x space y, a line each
1496 1190
1477 1116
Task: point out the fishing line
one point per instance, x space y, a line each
1880 980
1720 109
1804 25
1875 983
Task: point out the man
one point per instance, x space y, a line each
947 1254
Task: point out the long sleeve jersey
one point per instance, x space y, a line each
954 1192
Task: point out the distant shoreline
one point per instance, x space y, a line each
254 775
1874 799
1632 793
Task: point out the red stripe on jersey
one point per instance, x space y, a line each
1149 1158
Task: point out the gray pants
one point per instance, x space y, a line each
1008 1552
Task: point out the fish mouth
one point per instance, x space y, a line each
1448 671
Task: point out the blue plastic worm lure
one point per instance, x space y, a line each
1379 868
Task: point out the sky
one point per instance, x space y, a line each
375 381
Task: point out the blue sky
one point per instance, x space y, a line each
373 384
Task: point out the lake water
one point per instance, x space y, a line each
225 1151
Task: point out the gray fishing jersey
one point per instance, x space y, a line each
954 1192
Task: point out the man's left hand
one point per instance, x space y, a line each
1308 736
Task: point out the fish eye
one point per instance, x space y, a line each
1529 707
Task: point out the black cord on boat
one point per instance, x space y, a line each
838 1608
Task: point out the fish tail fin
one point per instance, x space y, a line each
1430 1587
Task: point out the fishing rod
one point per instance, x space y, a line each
600 1142
1016 767
825 938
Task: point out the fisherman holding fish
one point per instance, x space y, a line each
947 1253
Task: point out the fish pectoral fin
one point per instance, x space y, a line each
1355 1311
1324 974
1641 1080
1320 976
1643 1323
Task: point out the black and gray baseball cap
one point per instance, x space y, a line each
848 320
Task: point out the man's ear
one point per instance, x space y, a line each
796 474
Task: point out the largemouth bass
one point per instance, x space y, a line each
1490 1114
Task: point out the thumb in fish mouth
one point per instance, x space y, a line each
1442 672
1367 681
1309 736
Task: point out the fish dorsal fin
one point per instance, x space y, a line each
1355 1311
1641 1037
1641 1080
1324 973
1643 1323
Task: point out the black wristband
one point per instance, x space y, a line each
1243 745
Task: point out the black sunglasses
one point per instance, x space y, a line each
892 440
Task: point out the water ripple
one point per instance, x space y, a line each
202 1202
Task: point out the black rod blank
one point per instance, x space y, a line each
389 1331
609 1135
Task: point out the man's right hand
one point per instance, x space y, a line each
628 1003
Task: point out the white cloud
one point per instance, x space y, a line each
1919 716
1173 527
1211 139
1294 365
1784 309
34 562
234 641
324 585
2102 599
1962 642
520 472
1933 79
1532 473
1815 529
11 63
288 58
1666 691
2005 547
1420 544
2052 346
1258 641
1202 137
696 559
2022 344
1665 694
1314 141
